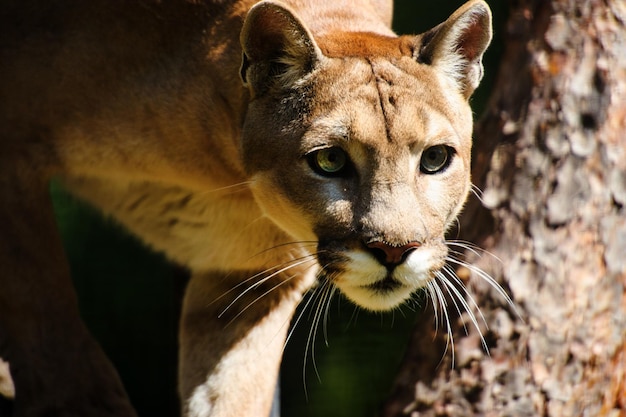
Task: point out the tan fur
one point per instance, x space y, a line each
196 125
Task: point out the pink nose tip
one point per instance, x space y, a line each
391 255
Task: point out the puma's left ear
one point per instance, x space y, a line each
278 50
457 45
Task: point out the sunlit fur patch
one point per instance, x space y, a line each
372 286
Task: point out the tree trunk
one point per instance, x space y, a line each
550 155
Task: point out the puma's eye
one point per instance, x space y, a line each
435 159
329 162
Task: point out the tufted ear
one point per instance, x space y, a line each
278 50
456 46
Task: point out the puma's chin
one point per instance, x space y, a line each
382 295
372 286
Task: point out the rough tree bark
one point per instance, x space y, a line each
550 156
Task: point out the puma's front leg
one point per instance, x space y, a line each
57 368
230 354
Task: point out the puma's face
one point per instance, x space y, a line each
366 154
375 172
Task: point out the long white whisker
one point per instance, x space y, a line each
309 298
477 192
282 245
436 307
242 185
261 296
288 264
326 313
469 295
314 295
448 288
257 299
292 264
319 311
455 293
353 317
412 305
302 244
470 247
320 295
490 280
246 281
446 316
482 274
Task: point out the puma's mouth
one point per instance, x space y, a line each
385 285
364 280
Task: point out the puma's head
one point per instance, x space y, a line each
361 143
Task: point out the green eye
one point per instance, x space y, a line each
329 162
435 159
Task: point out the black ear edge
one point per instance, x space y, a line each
422 53
243 69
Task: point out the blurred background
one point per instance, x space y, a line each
130 297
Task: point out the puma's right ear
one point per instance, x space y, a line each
277 49
457 45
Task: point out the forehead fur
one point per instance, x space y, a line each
364 44
392 97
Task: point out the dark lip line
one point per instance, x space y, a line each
386 284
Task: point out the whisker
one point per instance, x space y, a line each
455 293
412 304
315 294
326 313
447 287
242 185
470 247
262 295
290 264
432 295
444 312
319 311
258 274
300 243
456 279
297 243
477 192
310 342
304 243
309 298
256 299
479 252
321 277
244 231
353 317
490 280
401 311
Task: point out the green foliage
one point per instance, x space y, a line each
351 369
127 298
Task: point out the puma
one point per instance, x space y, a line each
270 148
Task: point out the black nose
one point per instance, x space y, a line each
390 255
